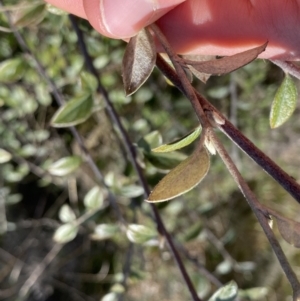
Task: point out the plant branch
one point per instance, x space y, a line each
288 67
280 176
133 158
260 212
60 101
186 86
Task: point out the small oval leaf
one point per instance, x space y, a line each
182 178
65 166
140 234
11 70
66 214
289 230
227 292
4 156
229 63
179 143
104 231
284 102
31 15
65 233
94 198
138 61
73 112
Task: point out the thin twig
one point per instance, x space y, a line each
288 67
133 158
260 211
60 101
38 271
188 89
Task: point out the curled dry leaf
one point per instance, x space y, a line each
199 58
182 178
138 61
289 229
229 63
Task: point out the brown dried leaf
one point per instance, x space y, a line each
182 178
289 230
229 63
138 61
199 58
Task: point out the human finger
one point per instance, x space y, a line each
226 27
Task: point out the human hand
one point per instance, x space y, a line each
208 27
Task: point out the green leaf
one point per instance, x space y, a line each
254 293
165 161
30 15
179 143
54 10
140 234
227 292
104 231
4 156
65 166
284 102
138 61
193 231
182 178
88 82
131 191
12 70
65 233
66 214
94 198
73 112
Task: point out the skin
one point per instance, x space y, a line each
207 27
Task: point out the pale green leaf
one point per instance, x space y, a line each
66 214
182 178
65 166
94 198
131 191
179 143
104 231
165 160
224 267
227 292
54 10
254 293
88 82
112 296
138 61
73 112
31 15
65 233
140 234
4 156
11 70
284 102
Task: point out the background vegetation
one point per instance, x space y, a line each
215 231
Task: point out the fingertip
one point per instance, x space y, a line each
74 7
123 19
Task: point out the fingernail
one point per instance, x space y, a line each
124 18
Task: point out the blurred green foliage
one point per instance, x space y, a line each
213 221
